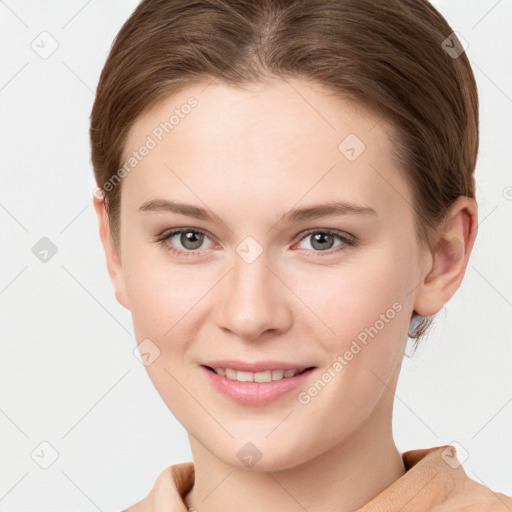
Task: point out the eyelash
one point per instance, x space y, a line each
164 238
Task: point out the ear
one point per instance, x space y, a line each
114 264
450 248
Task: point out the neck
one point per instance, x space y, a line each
342 479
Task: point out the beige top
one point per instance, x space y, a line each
434 481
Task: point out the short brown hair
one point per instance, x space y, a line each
388 54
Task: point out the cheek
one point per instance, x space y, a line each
165 300
162 294
364 299
367 307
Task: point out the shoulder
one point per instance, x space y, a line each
448 485
475 496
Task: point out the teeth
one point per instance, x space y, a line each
266 376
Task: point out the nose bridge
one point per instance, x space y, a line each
252 302
250 275
250 279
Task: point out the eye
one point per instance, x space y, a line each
189 239
323 240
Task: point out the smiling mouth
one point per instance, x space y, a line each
263 376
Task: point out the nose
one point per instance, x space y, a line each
254 301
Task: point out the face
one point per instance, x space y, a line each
252 270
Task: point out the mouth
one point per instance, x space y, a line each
257 388
270 375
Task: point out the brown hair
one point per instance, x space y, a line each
393 56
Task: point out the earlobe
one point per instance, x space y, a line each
449 255
114 264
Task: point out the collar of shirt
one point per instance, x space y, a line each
434 481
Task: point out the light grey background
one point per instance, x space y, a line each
68 374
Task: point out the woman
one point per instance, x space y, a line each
231 140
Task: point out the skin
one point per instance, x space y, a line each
250 156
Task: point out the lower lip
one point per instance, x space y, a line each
255 393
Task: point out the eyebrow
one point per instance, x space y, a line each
295 215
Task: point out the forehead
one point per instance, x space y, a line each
278 141
277 110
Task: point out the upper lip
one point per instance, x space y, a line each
258 366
